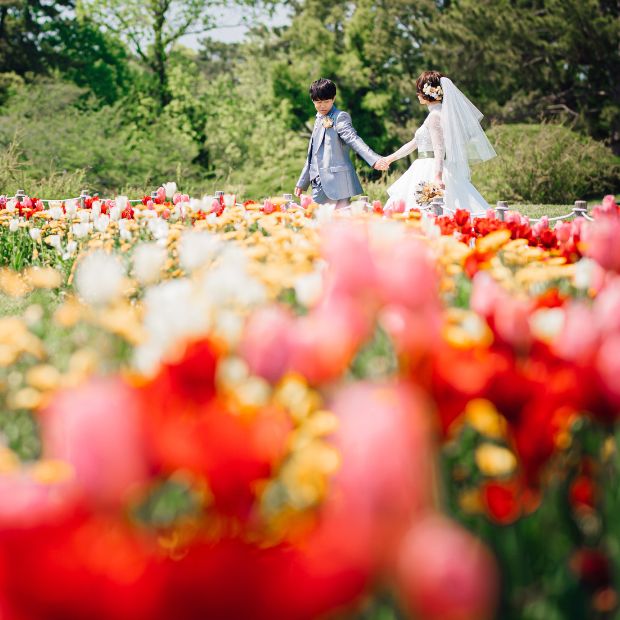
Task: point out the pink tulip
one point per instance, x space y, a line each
413 333
444 573
579 338
486 294
346 248
268 207
406 274
165 214
386 475
600 239
95 428
400 206
306 201
161 195
607 308
265 344
324 342
608 365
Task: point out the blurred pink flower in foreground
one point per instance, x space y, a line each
445 573
96 429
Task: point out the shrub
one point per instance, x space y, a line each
546 163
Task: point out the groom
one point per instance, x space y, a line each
328 168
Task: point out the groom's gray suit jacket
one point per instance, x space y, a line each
328 157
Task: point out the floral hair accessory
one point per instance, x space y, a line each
434 92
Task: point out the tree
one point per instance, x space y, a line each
152 27
23 26
523 60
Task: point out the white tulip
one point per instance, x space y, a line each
80 230
101 223
99 278
56 213
13 225
158 228
115 213
197 248
148 260
585 270
229 200
11 205
308 288
85 216
71 207
121 202
35 234
53 240
170 188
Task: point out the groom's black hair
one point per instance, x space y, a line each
322 89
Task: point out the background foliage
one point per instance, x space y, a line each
119 104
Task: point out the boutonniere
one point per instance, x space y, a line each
328 122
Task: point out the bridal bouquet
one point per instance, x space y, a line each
425 192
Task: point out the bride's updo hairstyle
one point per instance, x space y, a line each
429 86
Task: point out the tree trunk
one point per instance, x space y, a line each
159 56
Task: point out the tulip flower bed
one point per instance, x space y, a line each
216 410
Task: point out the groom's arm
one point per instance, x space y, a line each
349 136
304 177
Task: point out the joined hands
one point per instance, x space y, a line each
383 163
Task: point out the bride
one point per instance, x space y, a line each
449 140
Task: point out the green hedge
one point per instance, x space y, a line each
546 164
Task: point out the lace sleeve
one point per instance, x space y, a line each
439 147
404 150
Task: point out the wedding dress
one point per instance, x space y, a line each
449 140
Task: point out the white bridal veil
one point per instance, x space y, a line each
465 140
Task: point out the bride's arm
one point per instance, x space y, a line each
403 151
439 146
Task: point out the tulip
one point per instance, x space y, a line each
386 476
95 428
265 343
444 573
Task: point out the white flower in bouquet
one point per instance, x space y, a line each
95 209
196 248
308 288
170 189
71 207
80 230
148 260
121 202
35 234
11 205
426 192
101 223
13 225
53 240
99 278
